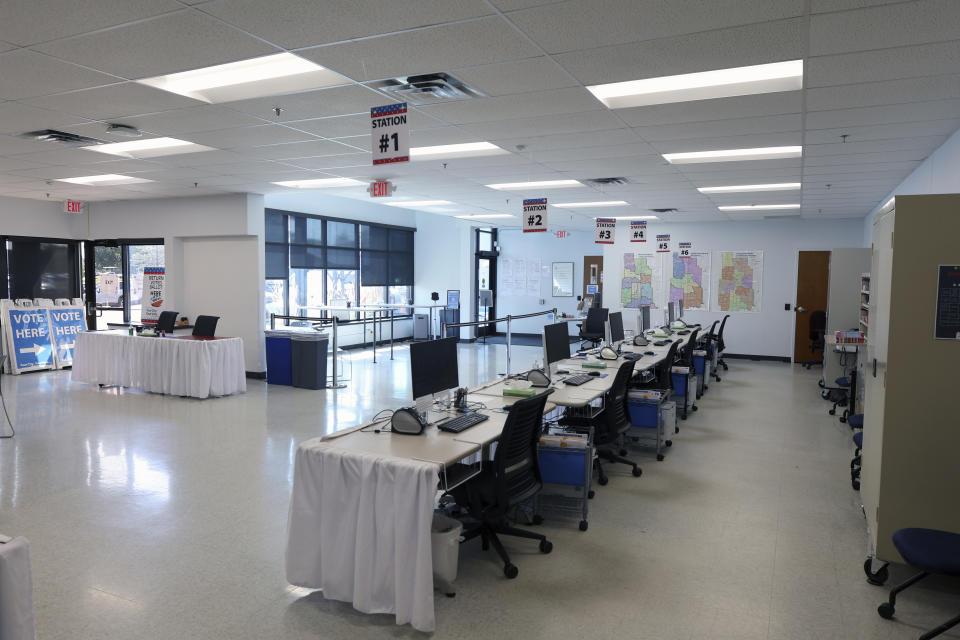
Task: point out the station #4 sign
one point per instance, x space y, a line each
390 133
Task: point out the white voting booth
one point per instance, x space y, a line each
40 334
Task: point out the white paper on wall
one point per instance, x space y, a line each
533 277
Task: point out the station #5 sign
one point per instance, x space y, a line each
390 133
30 333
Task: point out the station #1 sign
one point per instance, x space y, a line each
534 215
390 133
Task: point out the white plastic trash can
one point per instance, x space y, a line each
668 411
691 391
445 543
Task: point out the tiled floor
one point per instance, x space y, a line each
156 517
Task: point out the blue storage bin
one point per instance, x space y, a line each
699 364
679 385
563 465
644 413
279 360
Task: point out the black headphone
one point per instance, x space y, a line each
407 421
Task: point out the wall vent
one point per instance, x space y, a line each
427 87
666 210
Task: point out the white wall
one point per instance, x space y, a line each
22 217
549 249
937 174
843 300
769 332
444 259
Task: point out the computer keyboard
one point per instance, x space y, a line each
462 423
577 380
632 356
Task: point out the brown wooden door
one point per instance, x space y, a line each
592 274
813 274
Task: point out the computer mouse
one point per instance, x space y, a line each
594 373
650 353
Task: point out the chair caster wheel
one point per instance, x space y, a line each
832 412
683 417
886 610
603 480
622 452
637 472
659 457
450 595
820 382
546 546
696 408
583 525
856 485
878 577
824 394
537 519
511 571
676 429
590 494
718 378
669 443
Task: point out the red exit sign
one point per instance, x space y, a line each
380 189
73 206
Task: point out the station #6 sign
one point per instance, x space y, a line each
31 345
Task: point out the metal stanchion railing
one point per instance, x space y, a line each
508 319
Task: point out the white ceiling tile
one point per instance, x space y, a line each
303 23
749 141
881 93
28 22
582 24
247 136
518 76
565 124
27 74
705 110
343 161
312 148
114 101
884 132
864 158
68 171
937 110
16 118
720 49
827 6
923 144
335 101
19 165
207 117
884 64
440 48
167 44
10 145
543 104
722 128
882 27
336 126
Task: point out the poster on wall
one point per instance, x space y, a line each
108 288
638 231
28 339
534 215
690 278
739 282
948 303
605 231
562 277
65 324
152 301
642 278
533 277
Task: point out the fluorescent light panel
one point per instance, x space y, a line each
746 188
413 204
734 155
705 85
604 203
486 216
258 77
319 183
149 148
537 184
104 180
463 150
759 207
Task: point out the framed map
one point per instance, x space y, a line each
739 282
690 280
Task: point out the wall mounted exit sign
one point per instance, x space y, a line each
73 206
381 189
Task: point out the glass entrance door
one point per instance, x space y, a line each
108 285
113 279
486 282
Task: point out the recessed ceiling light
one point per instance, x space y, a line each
104 180
474 216
266 76
633 217
463 150
733 155
413 204
537 184
722 83
744 188
319 183
759 207
150 148
604 203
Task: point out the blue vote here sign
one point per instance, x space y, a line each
30 339
65 324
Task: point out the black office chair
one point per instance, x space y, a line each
205 326
592 330
686 360
709 340
611 424
721 345
167 321
818 327
513 478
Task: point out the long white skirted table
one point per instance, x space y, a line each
16 590
179 366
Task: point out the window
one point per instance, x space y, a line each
312 261
140 256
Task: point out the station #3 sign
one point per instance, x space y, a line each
606 227
390 133
30 343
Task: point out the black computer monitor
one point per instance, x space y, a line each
556 343
671 314
680 308
433 366
644 318
616 327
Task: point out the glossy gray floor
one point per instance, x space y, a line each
157 517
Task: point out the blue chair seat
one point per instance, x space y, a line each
858 439
855 421
843 382
929 549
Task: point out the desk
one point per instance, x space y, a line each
180 366
16 590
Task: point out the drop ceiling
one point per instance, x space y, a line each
881 92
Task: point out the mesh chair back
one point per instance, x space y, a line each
664 369
818 325
615 417
712 334
205 326
593 325
687 356
166 321
517 471
720 344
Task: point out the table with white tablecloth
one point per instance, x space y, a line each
16 590
174 366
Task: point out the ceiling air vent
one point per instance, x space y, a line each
60 137
427 87
605 182
667 210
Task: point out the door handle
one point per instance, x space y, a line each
799 309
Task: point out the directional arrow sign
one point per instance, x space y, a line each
30 340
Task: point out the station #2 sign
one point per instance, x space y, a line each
390 133
534 215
